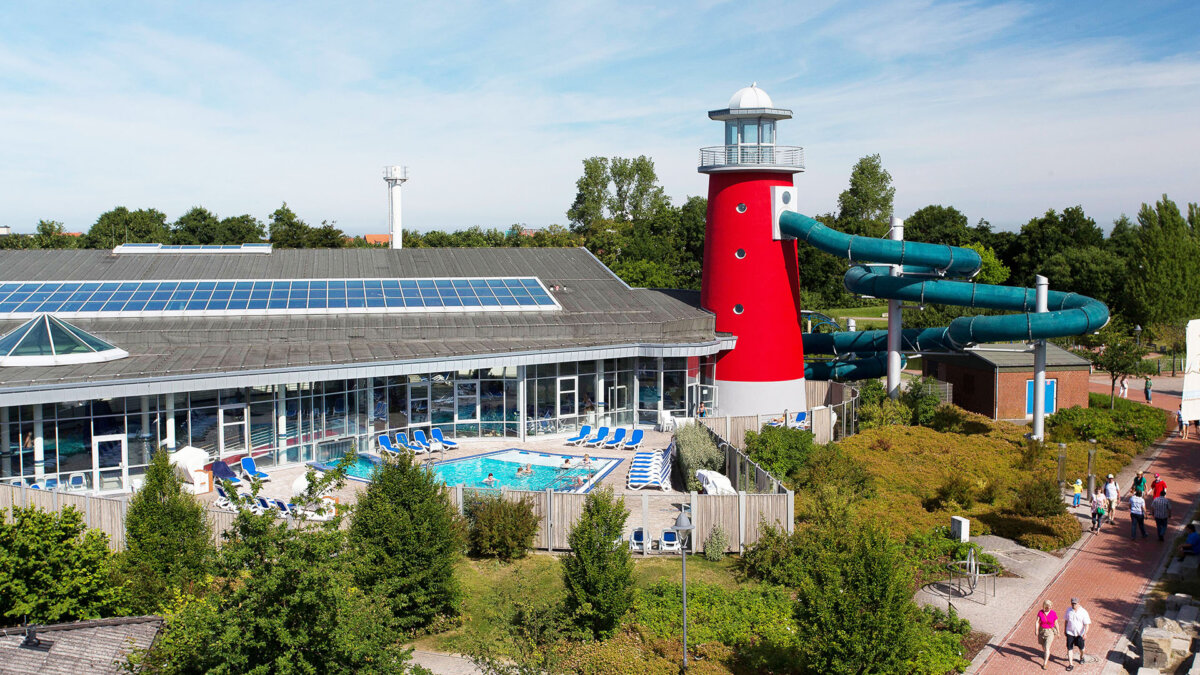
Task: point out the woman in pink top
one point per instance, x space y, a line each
1047 629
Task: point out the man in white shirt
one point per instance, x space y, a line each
1076 628
1112 492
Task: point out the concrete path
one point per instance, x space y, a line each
444 664
1108 572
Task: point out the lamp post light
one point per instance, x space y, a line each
1137 332
683 527
1091 474
1062 465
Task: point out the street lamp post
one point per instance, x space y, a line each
1137 332
683 527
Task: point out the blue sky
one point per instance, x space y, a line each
1003 109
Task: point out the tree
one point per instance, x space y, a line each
285 601
326 236
991 270
636 193
598 572
50 234
591 194
287 230
1163 280
54 569
1089 270
866 206
197 226
937 224
1119 357
1044 237
168 539
122 226
406 539
854 609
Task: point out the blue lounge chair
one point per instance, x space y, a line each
251 470
802 420
635 440
584 432
616 440
595 441
263 505
637 541
76 481
223 501
51 484
285 510
385 444
222 472
419 437
402 440
446 443
35 486
669 541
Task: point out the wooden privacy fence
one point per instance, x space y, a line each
832 413
738 515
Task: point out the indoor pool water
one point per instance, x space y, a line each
503 465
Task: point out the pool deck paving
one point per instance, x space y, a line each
1108 572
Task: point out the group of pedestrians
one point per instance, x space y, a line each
1147 388
1075 625
1142 498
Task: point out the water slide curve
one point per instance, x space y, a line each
923 281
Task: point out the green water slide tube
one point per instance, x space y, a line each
1069 313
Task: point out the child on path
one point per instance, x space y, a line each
1078 488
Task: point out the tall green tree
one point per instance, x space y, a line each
122 226
1053 233
636 193
53 569
866 206
406 539
168 539
1120 356
598 572
938 224
197 226
591 196
51 234
326 236
1163 275
243 229
287 230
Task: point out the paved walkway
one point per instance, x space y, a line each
1109 573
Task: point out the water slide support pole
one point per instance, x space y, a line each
1039 366
894 320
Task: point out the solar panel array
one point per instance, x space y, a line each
193 248
278 296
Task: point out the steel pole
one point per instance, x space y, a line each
894 322
1039 365
685 660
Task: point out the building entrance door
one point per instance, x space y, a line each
234 430
110 470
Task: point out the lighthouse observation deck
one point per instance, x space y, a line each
720 158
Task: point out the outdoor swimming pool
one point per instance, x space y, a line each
503 465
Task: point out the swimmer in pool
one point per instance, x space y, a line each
566 463
525 470
587 460
490 480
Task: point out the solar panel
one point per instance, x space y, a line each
281 296
193 248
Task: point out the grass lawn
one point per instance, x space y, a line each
486 583
872 312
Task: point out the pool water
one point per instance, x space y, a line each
503 465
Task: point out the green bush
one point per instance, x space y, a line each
168 540
994 488
955 491
953 419
697 450
1044 534
715 544
941 649
921 400
933 548
885 413
500 528
598 572
406 537
1129 420
871 392
1039 498
780 450
775 558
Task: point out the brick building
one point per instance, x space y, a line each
999 382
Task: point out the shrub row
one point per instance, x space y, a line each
499 528
1129 420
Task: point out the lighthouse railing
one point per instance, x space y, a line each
752 155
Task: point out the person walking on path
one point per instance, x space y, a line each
1077 490
1112 493
1158 486
1124 391
1076 627
1183 425
1139 483
1149 386
1161 507
1046 629
1099 506
1137 515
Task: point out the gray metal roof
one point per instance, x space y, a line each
598 310
81 647
1014 356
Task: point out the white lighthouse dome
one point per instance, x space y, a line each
750 97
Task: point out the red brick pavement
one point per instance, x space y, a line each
1110 572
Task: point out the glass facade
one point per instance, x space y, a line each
105 444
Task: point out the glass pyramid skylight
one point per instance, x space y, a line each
47 340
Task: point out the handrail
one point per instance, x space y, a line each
752 155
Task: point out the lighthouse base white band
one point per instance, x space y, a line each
760 398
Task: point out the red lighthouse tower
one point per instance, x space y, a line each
750 278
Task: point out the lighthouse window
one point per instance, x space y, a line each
768 131
741 208
750 132
738 309
741 253
731 133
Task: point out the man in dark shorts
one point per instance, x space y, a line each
1076 628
